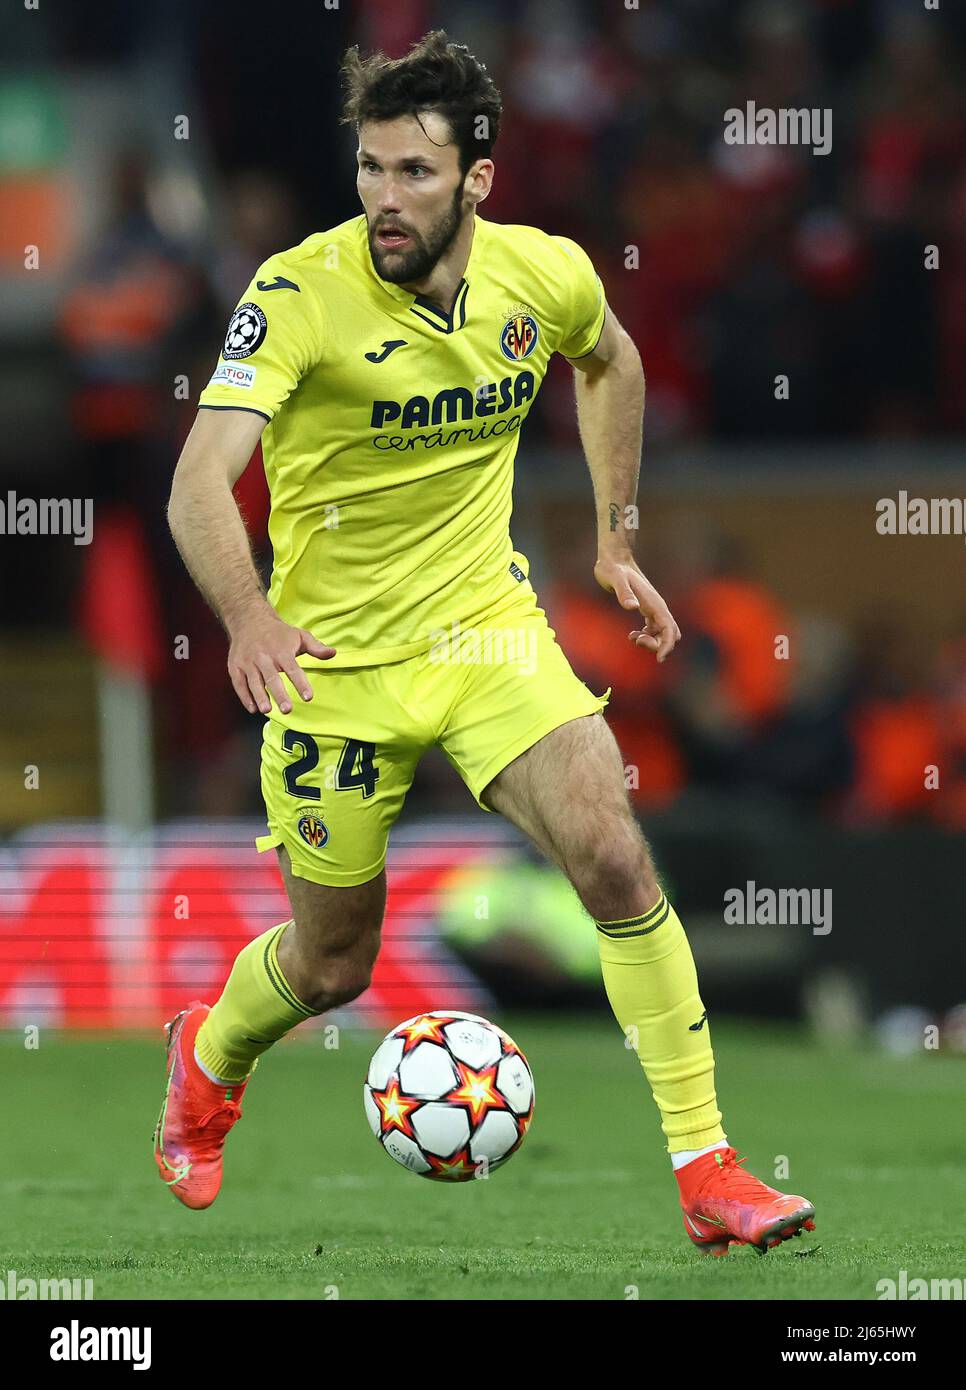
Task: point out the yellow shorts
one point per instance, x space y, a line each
335 772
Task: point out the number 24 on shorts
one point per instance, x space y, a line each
355 768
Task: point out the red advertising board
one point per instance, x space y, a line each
99 930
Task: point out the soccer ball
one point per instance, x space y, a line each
449 1095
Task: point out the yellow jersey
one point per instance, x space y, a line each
392 427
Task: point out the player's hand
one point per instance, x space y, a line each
262 647
623 578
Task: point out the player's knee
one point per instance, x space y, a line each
618 878
337 980
330 974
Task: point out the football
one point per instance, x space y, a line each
449 1095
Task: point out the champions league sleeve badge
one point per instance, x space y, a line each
246 332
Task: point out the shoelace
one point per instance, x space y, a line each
740 1183
229 1109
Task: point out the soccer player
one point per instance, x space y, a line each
388 366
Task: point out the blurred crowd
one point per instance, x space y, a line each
758 260
728 264
771 705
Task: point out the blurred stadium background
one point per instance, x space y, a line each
129 880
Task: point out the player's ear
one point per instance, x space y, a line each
479 180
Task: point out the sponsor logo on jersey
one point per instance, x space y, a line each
456 403
519 337
312 828
229 375
246 332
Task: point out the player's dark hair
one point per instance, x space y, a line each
435 75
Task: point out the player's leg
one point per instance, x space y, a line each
332 793
530 742
330 946
321 958
567 793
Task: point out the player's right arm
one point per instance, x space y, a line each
210 535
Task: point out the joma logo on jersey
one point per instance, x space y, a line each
455 403
519 337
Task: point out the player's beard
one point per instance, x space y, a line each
409 267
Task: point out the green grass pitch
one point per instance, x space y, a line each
585 1210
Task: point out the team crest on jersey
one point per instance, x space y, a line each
312 828
246 331
519 337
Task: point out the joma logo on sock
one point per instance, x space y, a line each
753 906
761 125
76 1343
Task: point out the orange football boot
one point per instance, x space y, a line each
724 1206
195 1118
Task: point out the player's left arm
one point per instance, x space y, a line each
609 383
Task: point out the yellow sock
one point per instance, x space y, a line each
256 1008
652 986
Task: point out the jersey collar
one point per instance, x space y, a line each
445 323
423 308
